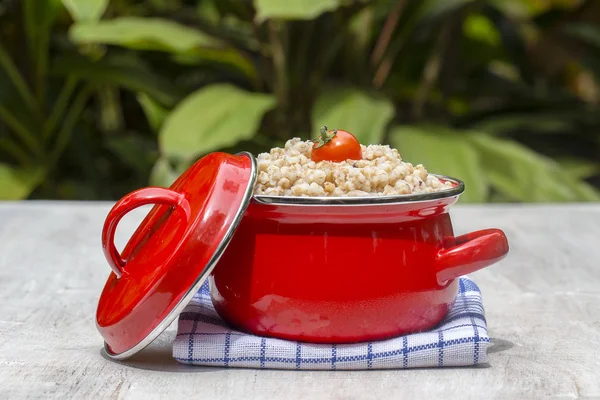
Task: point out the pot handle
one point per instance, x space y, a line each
135 199
471 252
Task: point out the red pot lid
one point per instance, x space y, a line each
173 250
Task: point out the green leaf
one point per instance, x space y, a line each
127 71
17 184
284 9
162 174
583 190
141 34
86 10
479 27
155 113
187 44
211 118
443 151
354 111
586 32
579 169
208 10
524 175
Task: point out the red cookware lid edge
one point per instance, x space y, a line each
174 313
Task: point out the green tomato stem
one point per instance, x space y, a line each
325 137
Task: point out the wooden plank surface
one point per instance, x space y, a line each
542 305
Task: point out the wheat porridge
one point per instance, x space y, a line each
378 170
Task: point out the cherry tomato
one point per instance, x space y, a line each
336 146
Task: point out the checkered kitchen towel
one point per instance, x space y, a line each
460 339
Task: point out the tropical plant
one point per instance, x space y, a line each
500 93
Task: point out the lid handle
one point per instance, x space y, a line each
135 199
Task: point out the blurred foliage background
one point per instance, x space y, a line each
99 97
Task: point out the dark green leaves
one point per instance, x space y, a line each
127 72
586 32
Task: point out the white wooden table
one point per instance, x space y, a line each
542 306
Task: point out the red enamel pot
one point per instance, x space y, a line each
347 270
324 270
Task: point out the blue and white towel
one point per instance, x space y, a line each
460 339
